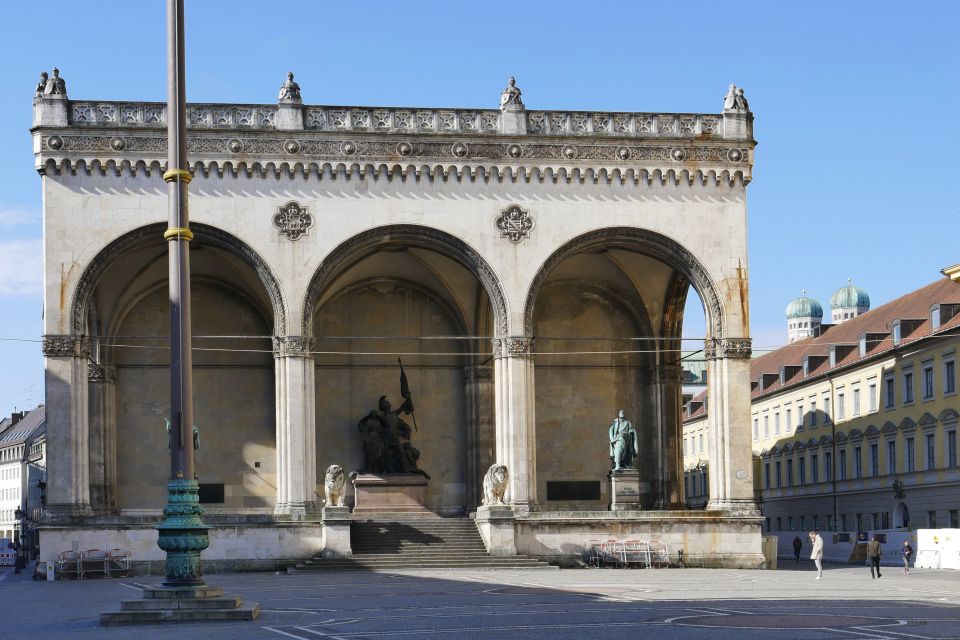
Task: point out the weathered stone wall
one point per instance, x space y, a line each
349 386
233 395
578 395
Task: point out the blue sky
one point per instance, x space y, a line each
855 102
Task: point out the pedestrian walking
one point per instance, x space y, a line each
816 554
907 553
873 556
797 548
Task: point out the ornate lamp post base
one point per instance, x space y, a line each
183 535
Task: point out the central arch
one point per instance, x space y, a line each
429 237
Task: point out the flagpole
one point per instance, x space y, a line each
181 534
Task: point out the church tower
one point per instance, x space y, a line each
848 302
804 316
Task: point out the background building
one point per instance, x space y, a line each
22 472
856 429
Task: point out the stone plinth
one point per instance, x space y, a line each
625 490
395 493
496 526
161 605
336 532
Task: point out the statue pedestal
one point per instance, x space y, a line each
625 490
394 493
336 532
495 523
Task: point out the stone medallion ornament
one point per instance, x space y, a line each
293 220
514 223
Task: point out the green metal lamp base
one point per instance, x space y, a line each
183 535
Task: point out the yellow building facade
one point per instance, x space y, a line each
856 429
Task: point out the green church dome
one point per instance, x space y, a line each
804 307
850 297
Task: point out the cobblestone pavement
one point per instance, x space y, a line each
529 604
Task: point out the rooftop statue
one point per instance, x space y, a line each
55 86
735 100
623 443
741 101
42 85
510 96
290 91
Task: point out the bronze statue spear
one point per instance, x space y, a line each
407 396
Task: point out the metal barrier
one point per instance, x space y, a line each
78 565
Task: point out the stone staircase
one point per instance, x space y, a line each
405 542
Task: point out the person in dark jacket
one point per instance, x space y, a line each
797 548
873 556
907 553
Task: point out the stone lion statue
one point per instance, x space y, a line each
495 484
333 485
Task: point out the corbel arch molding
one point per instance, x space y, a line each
651 243
427 237
137 238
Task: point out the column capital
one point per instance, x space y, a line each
739 348
66 346
98 373
513 347
292 346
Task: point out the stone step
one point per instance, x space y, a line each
490 563
171 616
153 604
391 557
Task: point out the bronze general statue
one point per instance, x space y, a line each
386 436
623 443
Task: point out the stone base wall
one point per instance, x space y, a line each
713 538
233 547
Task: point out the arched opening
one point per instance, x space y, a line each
901 516
607 311
124 307
416 294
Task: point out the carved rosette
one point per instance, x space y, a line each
66 346
287 346
514 223
513 347
293 220
740 348
182 534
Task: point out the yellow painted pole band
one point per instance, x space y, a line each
178 233
177 175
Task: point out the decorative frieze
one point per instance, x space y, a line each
402 120
66 346
513 347
727 348
296 346
386 149
99 374
514 223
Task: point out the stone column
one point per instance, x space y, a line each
478 387
670 407
67 406
728 423
296 432
516 444
102 381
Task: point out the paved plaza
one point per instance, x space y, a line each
537 603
